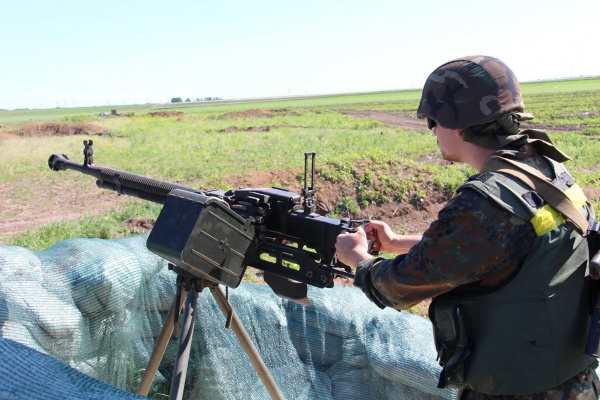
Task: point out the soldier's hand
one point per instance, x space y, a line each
384 240
352 248
381 236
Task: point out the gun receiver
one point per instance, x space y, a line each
216 234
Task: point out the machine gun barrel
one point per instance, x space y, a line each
120 181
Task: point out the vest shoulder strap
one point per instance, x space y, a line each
534 179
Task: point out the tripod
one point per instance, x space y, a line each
188 288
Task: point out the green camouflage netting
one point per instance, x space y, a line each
98 305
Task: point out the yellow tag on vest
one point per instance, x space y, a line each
547 218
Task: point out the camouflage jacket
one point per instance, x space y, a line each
473 240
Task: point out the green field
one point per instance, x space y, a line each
371 162
408 96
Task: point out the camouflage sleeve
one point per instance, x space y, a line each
472 240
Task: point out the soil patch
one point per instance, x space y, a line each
166 114
56 201
7 136
253 113
250 129
58 129
258 113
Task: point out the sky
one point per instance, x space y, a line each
79 53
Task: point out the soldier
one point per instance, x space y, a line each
510 306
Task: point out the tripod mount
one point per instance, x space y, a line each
188 289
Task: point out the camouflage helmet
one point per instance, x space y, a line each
470 91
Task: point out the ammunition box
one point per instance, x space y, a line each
202 236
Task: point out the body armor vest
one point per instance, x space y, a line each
528 333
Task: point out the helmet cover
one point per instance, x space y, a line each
469 91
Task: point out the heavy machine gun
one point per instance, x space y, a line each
211 237
215 234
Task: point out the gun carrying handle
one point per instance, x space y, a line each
375 244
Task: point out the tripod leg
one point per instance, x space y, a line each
185 344
159 348
246 342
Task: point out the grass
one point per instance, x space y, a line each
202 146
561 86
378 163
199 150
107 226
55 114
402 100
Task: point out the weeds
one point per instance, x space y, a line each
107 226
346 206
205 144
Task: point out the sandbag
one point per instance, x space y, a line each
98 305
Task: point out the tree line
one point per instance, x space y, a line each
180 100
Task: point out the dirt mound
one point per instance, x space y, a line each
267 128
258 113
410 216
254 113
139 225
7 136
59 129
283 178
166 114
